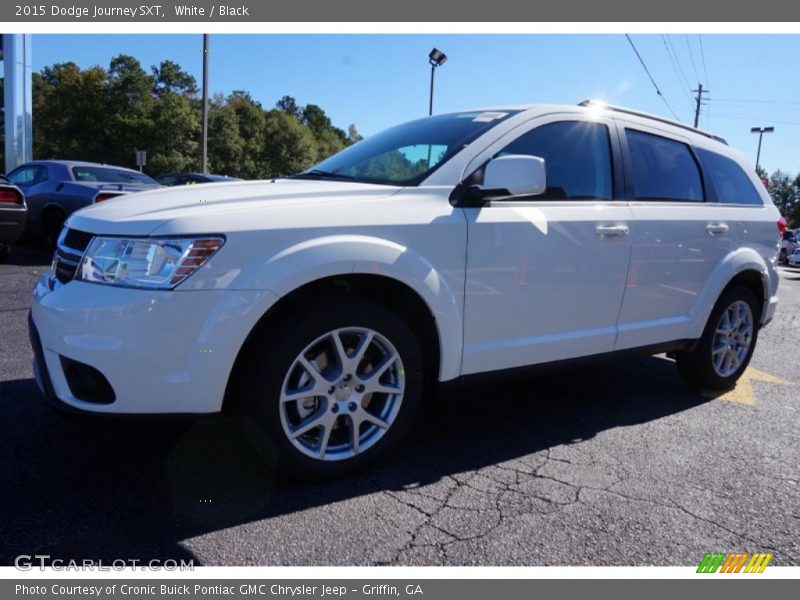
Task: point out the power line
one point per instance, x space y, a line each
680 66
754 101
653 81
703 57
740 117
691 57
677 73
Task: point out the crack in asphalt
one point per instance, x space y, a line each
506 499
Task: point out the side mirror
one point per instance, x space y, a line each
521 175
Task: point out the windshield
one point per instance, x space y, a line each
408 153
110 175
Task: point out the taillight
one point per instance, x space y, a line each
103 196
782 227
9 196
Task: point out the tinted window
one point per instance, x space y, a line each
663 169
110 175
28 175
168 180
730 182
577 159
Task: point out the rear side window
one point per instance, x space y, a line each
109 175
730 182
663 169
577 158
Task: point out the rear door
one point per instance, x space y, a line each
680 236
546 274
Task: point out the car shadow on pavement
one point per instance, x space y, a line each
79 487
30 255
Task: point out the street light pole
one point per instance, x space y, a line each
760 131
204 134
436 59
430 104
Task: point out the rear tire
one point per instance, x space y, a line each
727 343
5 250
348 413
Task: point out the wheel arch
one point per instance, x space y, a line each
397 295
746 267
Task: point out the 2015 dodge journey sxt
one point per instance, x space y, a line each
321 304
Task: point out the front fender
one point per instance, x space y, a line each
740 260
332 255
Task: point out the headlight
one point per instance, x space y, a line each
160 263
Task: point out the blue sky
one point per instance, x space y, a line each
376 81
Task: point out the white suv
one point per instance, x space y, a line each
321 305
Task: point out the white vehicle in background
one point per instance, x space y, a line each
322 305
794 259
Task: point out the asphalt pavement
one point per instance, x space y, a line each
620 464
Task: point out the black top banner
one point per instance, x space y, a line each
406 11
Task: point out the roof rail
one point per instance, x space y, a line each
630 111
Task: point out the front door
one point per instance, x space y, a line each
545 275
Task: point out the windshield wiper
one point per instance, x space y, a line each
320 174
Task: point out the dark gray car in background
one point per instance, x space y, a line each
191 178
54 189
13 215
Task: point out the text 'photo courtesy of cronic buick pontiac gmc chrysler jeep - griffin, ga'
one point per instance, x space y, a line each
325 305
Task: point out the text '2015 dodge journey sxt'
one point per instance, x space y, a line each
321 305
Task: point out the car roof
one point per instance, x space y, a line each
77 163
697 136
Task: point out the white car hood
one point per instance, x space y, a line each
143 212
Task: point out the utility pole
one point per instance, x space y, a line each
204 134
699 91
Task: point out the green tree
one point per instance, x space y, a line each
784 192
289 146
104 115
289 105
129 110
352 134
171 79
225 145
70 113
251 122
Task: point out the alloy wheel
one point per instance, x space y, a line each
342 393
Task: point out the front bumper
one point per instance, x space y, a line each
162 352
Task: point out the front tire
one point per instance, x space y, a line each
334 386
729 339
5 250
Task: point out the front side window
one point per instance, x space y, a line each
409 153
663 169
577 159
730 182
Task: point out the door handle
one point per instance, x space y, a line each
612 230
717 228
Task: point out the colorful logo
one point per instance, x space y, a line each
734 562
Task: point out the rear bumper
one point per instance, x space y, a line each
12 224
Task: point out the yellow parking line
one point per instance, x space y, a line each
744 393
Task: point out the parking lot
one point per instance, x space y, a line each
621 464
